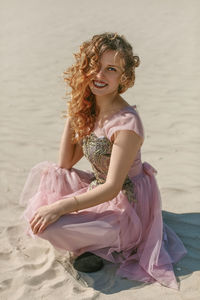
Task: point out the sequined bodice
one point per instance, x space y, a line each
98 151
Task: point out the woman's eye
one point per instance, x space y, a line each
111 69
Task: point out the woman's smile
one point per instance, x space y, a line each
99 84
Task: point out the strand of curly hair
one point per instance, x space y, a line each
82 108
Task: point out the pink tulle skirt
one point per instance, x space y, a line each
132 235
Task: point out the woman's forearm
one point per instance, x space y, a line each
66 147
102 193
69 153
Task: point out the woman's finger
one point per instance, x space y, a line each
36 226
42 227
35 220
33 217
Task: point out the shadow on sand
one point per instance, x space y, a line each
186 227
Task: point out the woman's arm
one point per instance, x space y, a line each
125 148
69 153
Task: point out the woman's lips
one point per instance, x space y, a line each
99 84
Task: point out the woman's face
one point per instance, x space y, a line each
107 80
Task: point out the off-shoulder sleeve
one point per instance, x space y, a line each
127 120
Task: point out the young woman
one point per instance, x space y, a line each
115 211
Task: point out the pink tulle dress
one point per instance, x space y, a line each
127 230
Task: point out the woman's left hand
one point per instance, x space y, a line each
44 216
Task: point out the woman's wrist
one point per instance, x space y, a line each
76 203
57 208
65 206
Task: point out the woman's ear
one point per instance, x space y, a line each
121 85
122 79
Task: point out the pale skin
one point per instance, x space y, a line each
126 145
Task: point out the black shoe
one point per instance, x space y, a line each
88 263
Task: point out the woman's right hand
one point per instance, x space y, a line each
43 217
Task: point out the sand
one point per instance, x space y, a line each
37 42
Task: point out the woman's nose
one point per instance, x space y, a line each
100 74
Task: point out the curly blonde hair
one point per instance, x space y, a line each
82 108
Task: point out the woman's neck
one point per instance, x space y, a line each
108 103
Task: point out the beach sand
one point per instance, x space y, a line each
37 42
